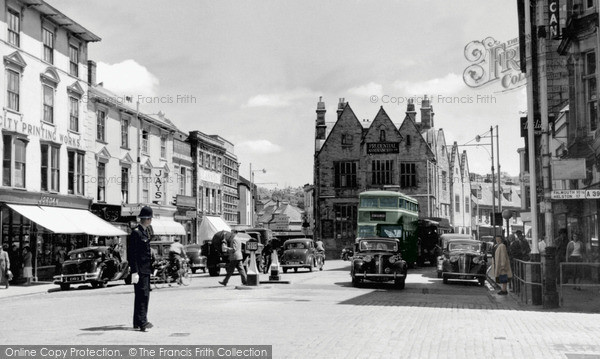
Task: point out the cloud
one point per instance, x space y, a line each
281 99
259 147
450 84
367 90
127 78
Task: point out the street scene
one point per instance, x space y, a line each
369 179
319 314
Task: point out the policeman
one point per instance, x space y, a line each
140 262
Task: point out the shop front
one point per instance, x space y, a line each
163 227
186 215
49 226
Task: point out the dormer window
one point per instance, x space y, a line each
347 139
48 40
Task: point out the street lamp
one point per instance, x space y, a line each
252 201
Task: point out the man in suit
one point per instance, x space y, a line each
233 247
140 262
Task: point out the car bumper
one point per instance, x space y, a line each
76 278
463 275
295 265
377 275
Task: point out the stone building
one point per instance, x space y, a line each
376 155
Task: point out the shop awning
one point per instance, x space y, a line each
67 220
167 227
51 220
88 222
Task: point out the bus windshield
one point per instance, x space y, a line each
369 202
388 202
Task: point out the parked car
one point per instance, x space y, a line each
197 260
378 259
462 258
96 265
298 253
160 249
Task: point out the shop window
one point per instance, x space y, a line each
13 161
50 167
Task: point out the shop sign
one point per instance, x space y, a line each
179 217
48 201
383 147
185 201
568 194
377 216
158 183
43 132
553 22
537 126
280 222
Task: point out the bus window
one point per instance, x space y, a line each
401 203
388 202
369 202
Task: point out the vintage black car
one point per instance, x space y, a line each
215 258
379 260
299 253
462 258
95 265
197 260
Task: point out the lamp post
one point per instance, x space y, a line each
252 193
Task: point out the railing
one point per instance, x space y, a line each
527 277
584 276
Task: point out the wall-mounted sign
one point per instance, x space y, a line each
43 131
383 147
185 201
537 126
158 183
568 169
553 21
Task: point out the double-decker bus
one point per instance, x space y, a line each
390 214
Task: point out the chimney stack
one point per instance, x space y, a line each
410 110
341 106
91 73
320 126
426 114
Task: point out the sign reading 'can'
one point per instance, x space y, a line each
553 21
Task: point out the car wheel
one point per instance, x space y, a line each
284 270
439 274
214 272
482 281
193 270
356 282
312 265
65 286
203 270
400 283
445 279
103 284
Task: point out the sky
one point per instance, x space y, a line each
253 71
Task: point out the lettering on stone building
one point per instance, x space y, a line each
48 134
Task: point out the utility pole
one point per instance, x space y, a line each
529 53
550 299
493 219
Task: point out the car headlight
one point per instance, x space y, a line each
478 260
392 259
454 259
367 258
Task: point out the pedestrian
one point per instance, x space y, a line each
233 247
575 254
561 251
140 263
502 270
27 266
4 265
59 259
525 247
267 253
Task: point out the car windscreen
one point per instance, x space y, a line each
296 245
461 246
375 245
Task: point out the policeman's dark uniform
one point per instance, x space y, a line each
140 262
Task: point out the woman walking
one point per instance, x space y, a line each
502 269
575 254
4 265
27 267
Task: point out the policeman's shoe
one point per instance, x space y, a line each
223 283
148 325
